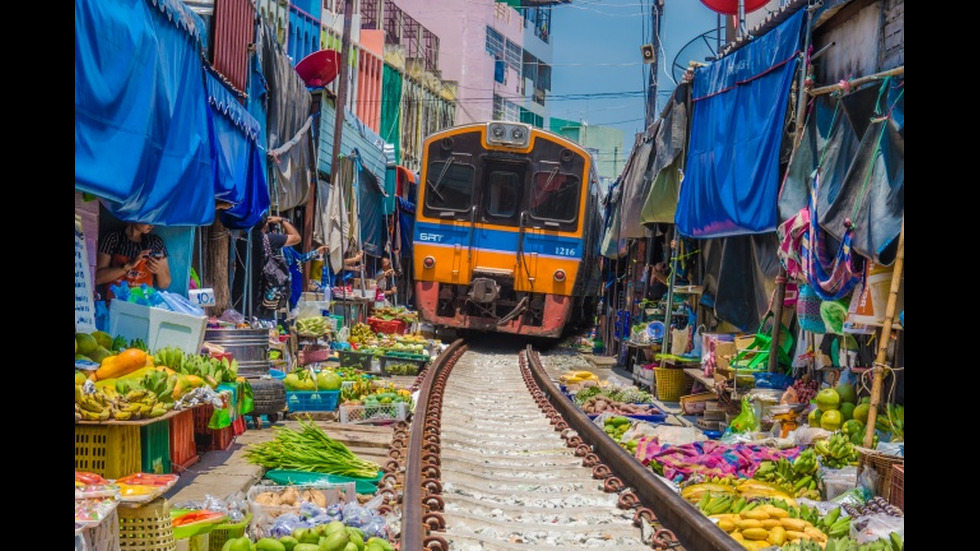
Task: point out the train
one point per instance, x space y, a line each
506 231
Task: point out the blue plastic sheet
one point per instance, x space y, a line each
141 128
406 223
239 177
732 178
370 195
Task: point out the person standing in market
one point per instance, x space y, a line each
274 289
132 255
386 282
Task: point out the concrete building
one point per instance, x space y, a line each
500 56
605 143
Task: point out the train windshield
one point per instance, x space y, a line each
555 197
449 186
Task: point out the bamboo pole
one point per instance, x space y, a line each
886 335
831 88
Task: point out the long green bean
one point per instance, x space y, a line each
311 450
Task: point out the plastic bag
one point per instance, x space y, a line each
838 481
855 496
231 316
805 436
746 421
875 527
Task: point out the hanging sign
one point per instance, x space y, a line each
84 303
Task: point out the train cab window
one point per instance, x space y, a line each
555 198
502 194
449 186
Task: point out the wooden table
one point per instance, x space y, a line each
136 422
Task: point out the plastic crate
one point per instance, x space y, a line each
103 536
183 451
380 413
155 447
224 532
312 400
207 439
349 358
387 327
109 450
238 426
146 528
897 495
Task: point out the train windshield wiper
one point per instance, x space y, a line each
442 174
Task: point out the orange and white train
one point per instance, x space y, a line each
506 230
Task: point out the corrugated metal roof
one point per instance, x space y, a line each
356 135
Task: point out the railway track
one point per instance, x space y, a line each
497 459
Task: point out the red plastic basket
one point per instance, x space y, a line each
210 439
183 450
388 327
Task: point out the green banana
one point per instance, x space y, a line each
896 541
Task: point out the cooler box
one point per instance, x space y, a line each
157 327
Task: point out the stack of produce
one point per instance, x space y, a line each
212 370
894 543
798 478
99 345
335 536
581 378
598 405
313 326
399 313
838 407
616 427
361 334
707 458
306 380
874 506
777 523
309 449
627 395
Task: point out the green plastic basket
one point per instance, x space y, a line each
224 532
155 447
361 485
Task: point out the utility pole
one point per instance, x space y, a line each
656 11
338 128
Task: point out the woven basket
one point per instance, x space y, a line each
103 536
146 528
671 383
882 465
808 310
897 493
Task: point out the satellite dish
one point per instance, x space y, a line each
703 48
319 68
730 7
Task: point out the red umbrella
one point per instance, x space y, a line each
319 68
730 7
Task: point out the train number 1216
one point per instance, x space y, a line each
565 251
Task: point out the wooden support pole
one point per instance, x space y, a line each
831 88
886 337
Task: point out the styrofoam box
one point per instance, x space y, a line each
157 327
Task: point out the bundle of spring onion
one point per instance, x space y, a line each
309 450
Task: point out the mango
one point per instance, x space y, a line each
755 533
289 542
306 547
104 339
86 343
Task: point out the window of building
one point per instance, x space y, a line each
514 54
495 43
511 111
498 108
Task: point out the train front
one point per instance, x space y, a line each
499 229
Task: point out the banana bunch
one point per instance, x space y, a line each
832 523
837 452
171 357
107 403
893 543
160 384
359 388
798 478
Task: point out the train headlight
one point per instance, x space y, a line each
428 262
559 275
510 134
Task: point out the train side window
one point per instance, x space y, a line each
449 186
503 194
555 197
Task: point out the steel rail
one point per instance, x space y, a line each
414 529
694 530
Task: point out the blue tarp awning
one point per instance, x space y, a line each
239 178
141 120
731 181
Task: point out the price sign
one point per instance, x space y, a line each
84 302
